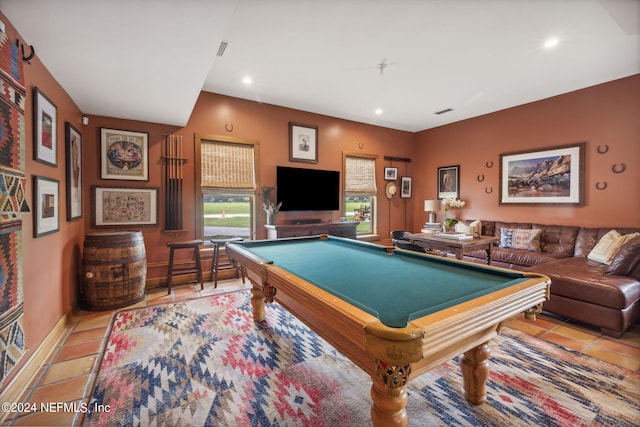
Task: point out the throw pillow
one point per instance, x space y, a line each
461 227
516 238
608 245
476 227
627 258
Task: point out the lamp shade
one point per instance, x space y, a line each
431 205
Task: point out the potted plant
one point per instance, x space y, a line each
269 206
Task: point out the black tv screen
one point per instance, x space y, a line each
302 189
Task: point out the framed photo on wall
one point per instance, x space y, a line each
303 143
390 174
46 206
449 182
553 176
405 187
73 164
125 206
45 129
124 155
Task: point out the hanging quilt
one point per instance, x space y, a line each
12 204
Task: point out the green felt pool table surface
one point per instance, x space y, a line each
396 287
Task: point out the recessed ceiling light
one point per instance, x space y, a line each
378 111
247 80
551 43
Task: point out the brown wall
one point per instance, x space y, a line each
269 126
50 263
606 114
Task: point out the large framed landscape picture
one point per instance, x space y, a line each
554 176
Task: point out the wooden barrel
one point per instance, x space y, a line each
114 270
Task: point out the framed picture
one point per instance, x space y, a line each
449 182
303 143
125 206
405 187
390 174
124 155
73 156
46 205
553 176
45 129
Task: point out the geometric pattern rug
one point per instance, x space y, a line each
203 362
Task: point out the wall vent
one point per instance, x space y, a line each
446 110
222 48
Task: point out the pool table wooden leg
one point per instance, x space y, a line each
475 371
388 410
257 303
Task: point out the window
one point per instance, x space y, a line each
226 176
360 191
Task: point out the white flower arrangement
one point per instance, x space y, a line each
450 203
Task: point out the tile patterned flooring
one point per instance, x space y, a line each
69 375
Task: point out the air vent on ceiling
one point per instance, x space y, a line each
446 110
222 48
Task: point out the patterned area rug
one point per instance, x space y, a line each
203 362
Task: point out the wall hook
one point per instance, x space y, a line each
28 57
227 128
600 185
602 148
618 167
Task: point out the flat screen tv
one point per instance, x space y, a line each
301 189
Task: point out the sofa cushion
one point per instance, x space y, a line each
583 279
517 238
625 261
557 239
521 257
608 245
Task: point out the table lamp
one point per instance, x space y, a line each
432 206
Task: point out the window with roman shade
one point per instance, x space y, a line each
360 190
227 167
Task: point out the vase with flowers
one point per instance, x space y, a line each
450 221
269 206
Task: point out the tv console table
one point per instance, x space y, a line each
341 229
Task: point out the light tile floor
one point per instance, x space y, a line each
69 375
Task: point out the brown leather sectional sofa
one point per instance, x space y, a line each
581 289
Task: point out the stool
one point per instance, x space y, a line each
227 263
196 267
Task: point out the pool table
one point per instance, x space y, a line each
394 313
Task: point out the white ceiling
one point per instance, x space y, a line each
149 59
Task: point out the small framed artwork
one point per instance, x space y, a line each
405 187
553 176
390 174
125 206
46 205
303 143
45 129
449 182
124 155
73 155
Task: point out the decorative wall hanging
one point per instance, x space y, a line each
13 203
405 187
303 143
601 149
553 176
46 206
73 154
45 129
449 182
390 174
618 167
125 206
124 155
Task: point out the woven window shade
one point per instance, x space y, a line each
227 167
360 175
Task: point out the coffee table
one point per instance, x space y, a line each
454 246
